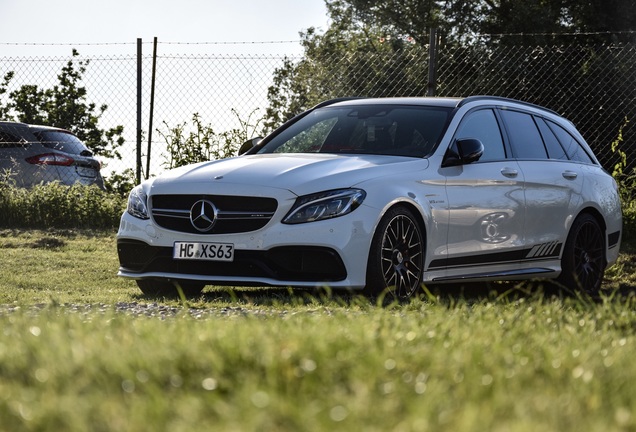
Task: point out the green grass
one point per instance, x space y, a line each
83 350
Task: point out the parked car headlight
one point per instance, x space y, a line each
138 203
325 205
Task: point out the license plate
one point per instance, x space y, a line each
203 251
86 172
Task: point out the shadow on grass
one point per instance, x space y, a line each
473 293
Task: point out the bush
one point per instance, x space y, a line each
55 205
626 181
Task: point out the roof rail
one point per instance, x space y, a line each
333 101
504 99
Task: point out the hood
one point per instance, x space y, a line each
299 173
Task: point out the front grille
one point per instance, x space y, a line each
235 214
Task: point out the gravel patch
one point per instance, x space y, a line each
151 310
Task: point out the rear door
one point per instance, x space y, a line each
553 183
485 201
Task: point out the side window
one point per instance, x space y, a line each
9 140
483 126
525 138
555 151
572 147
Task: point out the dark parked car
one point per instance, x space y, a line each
32 155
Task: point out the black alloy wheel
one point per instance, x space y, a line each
583 261
396 258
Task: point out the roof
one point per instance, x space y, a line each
450 102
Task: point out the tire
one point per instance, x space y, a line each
160 288
396 257
583 260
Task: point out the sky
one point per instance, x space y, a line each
50 28
28 23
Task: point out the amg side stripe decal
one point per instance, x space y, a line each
537 252
541 250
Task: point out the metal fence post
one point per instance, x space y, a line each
139 133
432 55
152 106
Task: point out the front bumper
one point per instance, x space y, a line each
286 263
332 252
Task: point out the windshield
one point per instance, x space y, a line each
63 141
398 130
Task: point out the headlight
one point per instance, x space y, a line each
325 205
138 203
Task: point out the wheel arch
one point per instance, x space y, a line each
417 210
403 270
596 214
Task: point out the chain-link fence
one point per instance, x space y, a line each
590 85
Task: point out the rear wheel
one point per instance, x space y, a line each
159 288
396 257
583 261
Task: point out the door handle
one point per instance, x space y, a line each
570 175
509 172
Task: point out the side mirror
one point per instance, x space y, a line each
249 145
463 151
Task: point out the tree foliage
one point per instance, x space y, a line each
200 143
378 48
352 58
5 109
537 20
65 105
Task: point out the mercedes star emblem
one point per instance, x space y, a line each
203 215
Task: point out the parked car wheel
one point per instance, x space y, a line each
583 260
396 257
157 288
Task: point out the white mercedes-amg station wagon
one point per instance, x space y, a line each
382 195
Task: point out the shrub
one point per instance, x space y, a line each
54 205
626 181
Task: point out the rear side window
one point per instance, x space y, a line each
555 151
8 140
572 147
483 125
525 138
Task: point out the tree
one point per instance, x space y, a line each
200 143
544 20
538 20
5 109
413 18
554 53
65 105
352 58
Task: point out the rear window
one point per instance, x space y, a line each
63 141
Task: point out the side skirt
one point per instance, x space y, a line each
499 275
